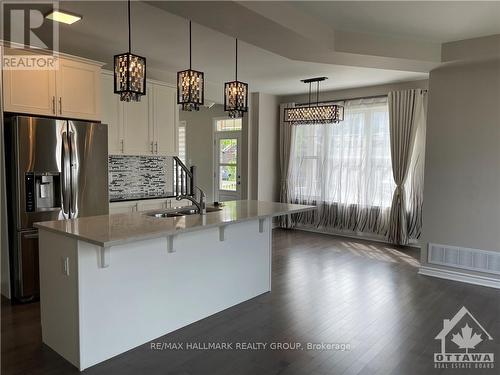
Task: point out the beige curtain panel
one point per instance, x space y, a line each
406 112
285 145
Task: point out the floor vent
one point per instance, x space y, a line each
460 257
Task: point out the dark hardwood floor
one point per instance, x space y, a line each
325 290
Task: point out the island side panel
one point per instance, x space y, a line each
59 294
147 292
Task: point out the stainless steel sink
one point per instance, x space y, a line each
183 211
164 214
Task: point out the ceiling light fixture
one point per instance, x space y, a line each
314 113
236 94
190 85
130 72
63 16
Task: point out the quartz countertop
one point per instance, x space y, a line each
117 229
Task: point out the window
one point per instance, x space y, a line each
228 125
346 164
181 142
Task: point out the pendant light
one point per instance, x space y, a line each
314 113
130 72
190 86
236 94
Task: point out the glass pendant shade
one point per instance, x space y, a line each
190 89
130 77
236 94
314 113
322 114
190 85
236 98
130 72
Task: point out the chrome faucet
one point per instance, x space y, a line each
200 205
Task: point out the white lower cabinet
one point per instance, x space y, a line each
146 205
122 207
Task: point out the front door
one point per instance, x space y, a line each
227 165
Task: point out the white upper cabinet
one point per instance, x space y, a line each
165 117
78 87
30 91
136 119
112 115
148 127
72 91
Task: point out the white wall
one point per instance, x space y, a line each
264 147
462 174
358 91
200 152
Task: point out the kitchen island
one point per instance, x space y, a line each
112 282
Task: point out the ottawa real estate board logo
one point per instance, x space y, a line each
459 338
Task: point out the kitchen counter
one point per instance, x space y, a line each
112 230
110 283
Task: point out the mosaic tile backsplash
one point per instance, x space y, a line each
139 176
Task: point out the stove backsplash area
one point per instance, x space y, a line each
136 176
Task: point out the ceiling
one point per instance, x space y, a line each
434 21
281 43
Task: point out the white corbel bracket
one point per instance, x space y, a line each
222 233
261 225
170 244
104 257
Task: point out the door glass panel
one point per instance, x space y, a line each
227 177
228 151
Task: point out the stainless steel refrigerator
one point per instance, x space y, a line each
55 170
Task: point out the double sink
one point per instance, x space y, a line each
182 211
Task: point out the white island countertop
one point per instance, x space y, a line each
117 229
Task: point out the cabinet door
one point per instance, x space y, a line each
136 118
122 207
78 87
164 119
156 204
29 91
112 115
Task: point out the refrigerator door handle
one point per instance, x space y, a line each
74 172
65 175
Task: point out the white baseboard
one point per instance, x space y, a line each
461 276
356 236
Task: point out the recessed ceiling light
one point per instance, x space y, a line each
64 17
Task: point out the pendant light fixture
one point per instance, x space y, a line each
314 113
130 72
236 94
190 86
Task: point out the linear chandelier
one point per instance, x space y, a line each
314 113
236 94
190 86
130 72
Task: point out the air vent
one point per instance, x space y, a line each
461 257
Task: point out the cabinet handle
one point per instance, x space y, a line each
121 141
54 105
152 148
60 105
156 147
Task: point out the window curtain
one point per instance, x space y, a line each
285 146
345 170
406 113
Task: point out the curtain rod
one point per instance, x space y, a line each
355 98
